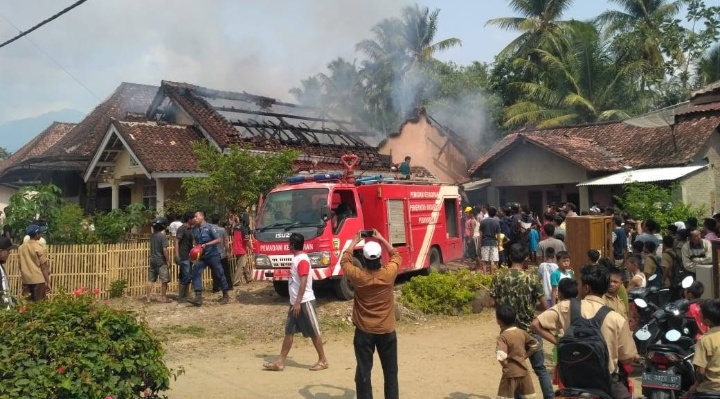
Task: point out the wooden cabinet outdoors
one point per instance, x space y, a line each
584 233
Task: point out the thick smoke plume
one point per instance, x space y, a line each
260 47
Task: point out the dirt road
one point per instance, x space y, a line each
451 360
222 349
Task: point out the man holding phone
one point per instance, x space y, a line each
373 311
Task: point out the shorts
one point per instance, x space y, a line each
35 292
161 272
306 322
516 387
489 254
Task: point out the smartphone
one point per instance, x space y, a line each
367 233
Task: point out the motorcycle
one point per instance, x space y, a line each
653 299
669 341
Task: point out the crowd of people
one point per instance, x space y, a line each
513 237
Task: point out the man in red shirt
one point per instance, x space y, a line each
302 316
693 294
241 237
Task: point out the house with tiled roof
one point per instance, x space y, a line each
442 152
144 160
61 154
590 163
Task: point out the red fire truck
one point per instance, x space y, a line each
421 220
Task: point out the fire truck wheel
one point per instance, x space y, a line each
343 288
435 259
281 287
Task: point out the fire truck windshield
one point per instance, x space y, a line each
293 208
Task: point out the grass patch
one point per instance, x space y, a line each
444 293
195 331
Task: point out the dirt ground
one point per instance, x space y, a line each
222 349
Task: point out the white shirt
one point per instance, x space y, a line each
174 226
544 271
300 264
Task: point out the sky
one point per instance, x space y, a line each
261 47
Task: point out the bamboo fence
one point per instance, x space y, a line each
97 266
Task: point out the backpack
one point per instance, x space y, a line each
677 270
657 282
582 352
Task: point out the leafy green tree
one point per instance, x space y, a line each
685 47
236 179
637 35
31 203
709 67
650 201
580 83
71 227
539 25
4 153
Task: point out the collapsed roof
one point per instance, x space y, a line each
264 124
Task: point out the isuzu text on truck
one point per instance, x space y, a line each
421 220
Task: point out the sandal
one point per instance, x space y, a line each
272 366
319 366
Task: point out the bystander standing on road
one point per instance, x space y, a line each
34 266
374 313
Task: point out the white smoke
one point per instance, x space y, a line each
241 45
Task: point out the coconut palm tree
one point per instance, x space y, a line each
579 83
539 25
397 56
709 67
636 33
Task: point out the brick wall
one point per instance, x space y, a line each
701 188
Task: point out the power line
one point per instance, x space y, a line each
41 23
53 59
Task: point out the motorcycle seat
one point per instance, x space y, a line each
585 393
668 348
706 395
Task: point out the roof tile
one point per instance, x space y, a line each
38 146
161 148
85 138
608 147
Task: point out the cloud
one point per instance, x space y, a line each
261 47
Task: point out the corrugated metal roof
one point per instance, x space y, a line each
476 184
643 176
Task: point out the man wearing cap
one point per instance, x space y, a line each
374 313
5 297
34 267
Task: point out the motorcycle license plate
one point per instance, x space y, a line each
661 381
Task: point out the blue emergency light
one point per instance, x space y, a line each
316 177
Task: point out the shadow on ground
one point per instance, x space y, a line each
460 395
326 392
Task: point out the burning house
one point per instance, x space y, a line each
144 159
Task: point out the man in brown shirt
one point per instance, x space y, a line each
374 313
612 300
34 267
621 347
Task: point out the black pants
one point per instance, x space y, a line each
228 275
365 345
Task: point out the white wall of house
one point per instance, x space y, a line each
5 194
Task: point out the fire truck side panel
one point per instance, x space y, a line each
415 218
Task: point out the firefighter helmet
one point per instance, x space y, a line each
196 253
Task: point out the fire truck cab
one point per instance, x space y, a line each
421 220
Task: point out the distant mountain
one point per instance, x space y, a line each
15 134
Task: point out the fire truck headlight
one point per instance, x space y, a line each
319 259
262 262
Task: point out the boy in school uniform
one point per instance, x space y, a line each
562 272
513 348
707 351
